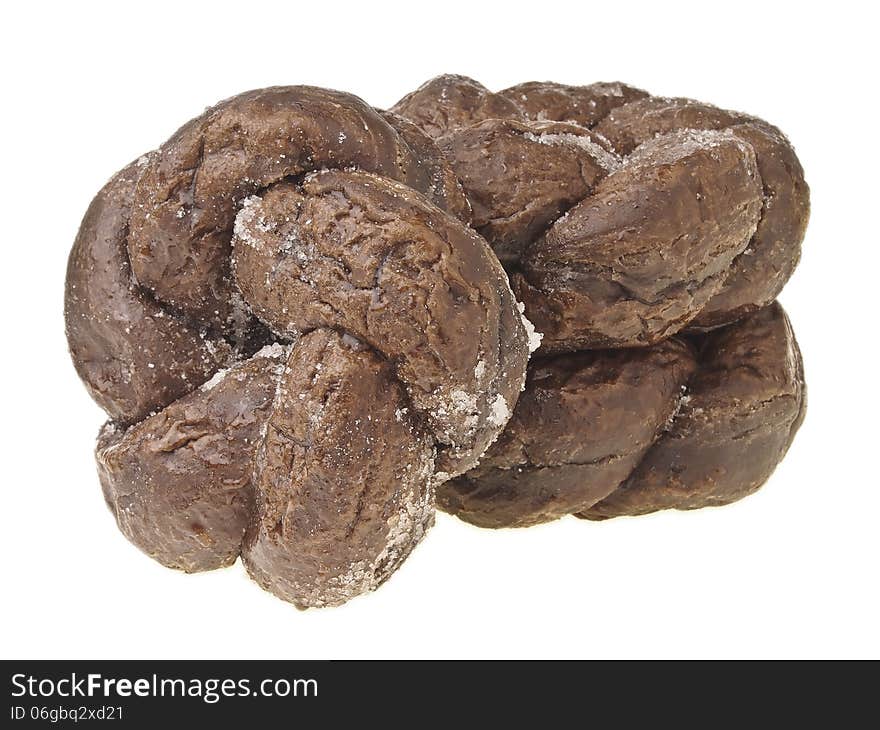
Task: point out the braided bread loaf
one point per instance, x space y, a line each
392 348
298 316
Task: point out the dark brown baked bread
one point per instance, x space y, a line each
622 218
394 351
684 424
298 316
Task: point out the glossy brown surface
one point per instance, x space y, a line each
584 105
742 409
682 424
441 184
450 102
582 425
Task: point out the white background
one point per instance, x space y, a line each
790 572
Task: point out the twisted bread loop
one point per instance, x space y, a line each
188 195
133 354
637 218
758 275
681 425
360 254
636 261
521 176
395 347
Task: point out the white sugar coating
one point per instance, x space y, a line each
210 346
683 401
413 518
480 370
249 217
688 142
107 431
275 350
216 379
602 156
533 335
499 412
462 402
142 160
456 416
